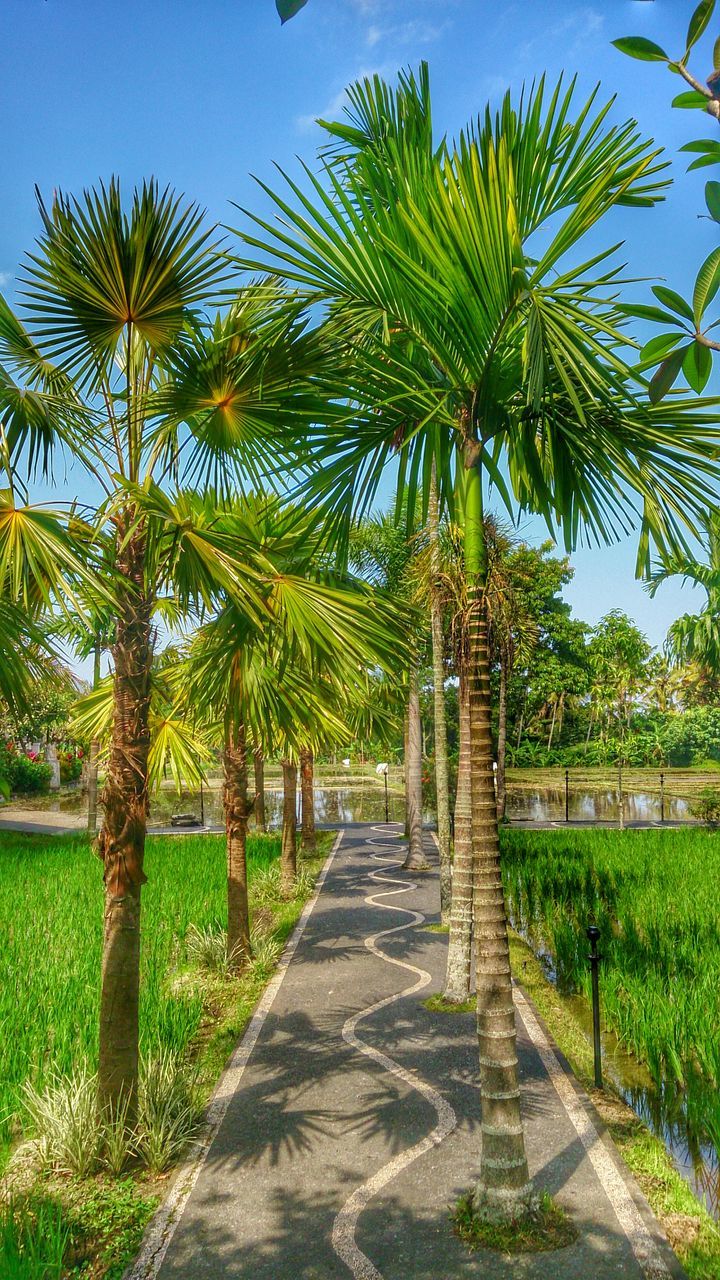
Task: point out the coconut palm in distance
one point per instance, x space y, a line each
149 395
695 637
475 332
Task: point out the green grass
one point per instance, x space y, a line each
654 896
689 1227
546 1227
50 947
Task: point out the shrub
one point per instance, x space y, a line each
706 806
64 1117
70 767
169 1112
22 773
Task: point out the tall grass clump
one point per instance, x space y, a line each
51 906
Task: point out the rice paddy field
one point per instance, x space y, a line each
654 896
51 907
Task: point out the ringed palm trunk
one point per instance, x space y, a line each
415 860
92 786
307 791
502 738
259 767
406 764
236 815
122 838
457 979
503 1188
442 772
288 856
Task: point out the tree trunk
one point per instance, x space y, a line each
121 842
288 856
503 1189
92 777
502 738
406 765
415 860
457 980
236 816
307 789
442 771
259 765
552 723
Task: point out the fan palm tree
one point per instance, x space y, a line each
475 332
116 358
286 682
383 554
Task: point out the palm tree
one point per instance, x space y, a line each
381 552
473 331
148 394
284 682
696 637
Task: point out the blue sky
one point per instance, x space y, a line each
204 93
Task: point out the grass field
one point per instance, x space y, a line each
654 896
51 905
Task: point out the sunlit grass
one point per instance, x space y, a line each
51 911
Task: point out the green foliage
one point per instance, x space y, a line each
653 895
544 1227
34 1237
24 775
50 948
288 8
695 359
641 48
706 806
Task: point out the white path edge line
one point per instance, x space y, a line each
165 1223
344 1226
644 1246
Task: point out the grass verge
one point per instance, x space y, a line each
54 1226
545 1228
693 1234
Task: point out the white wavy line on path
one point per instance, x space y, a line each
164 1224
345 1224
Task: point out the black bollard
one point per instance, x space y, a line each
662 796
593 934
387 810
567 795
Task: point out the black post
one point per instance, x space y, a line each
202 805
593 934
662 796
567 795
387 811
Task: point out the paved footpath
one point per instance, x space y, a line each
348 1120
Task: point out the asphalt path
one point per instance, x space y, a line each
348 1121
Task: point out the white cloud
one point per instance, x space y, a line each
6 277
404 33
334 107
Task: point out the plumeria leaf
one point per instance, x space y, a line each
288 8
659 346
697 366
699 22
691 99
707 284
666 374
712 199
671 299
640 47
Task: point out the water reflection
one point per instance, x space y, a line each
334 806
547 804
